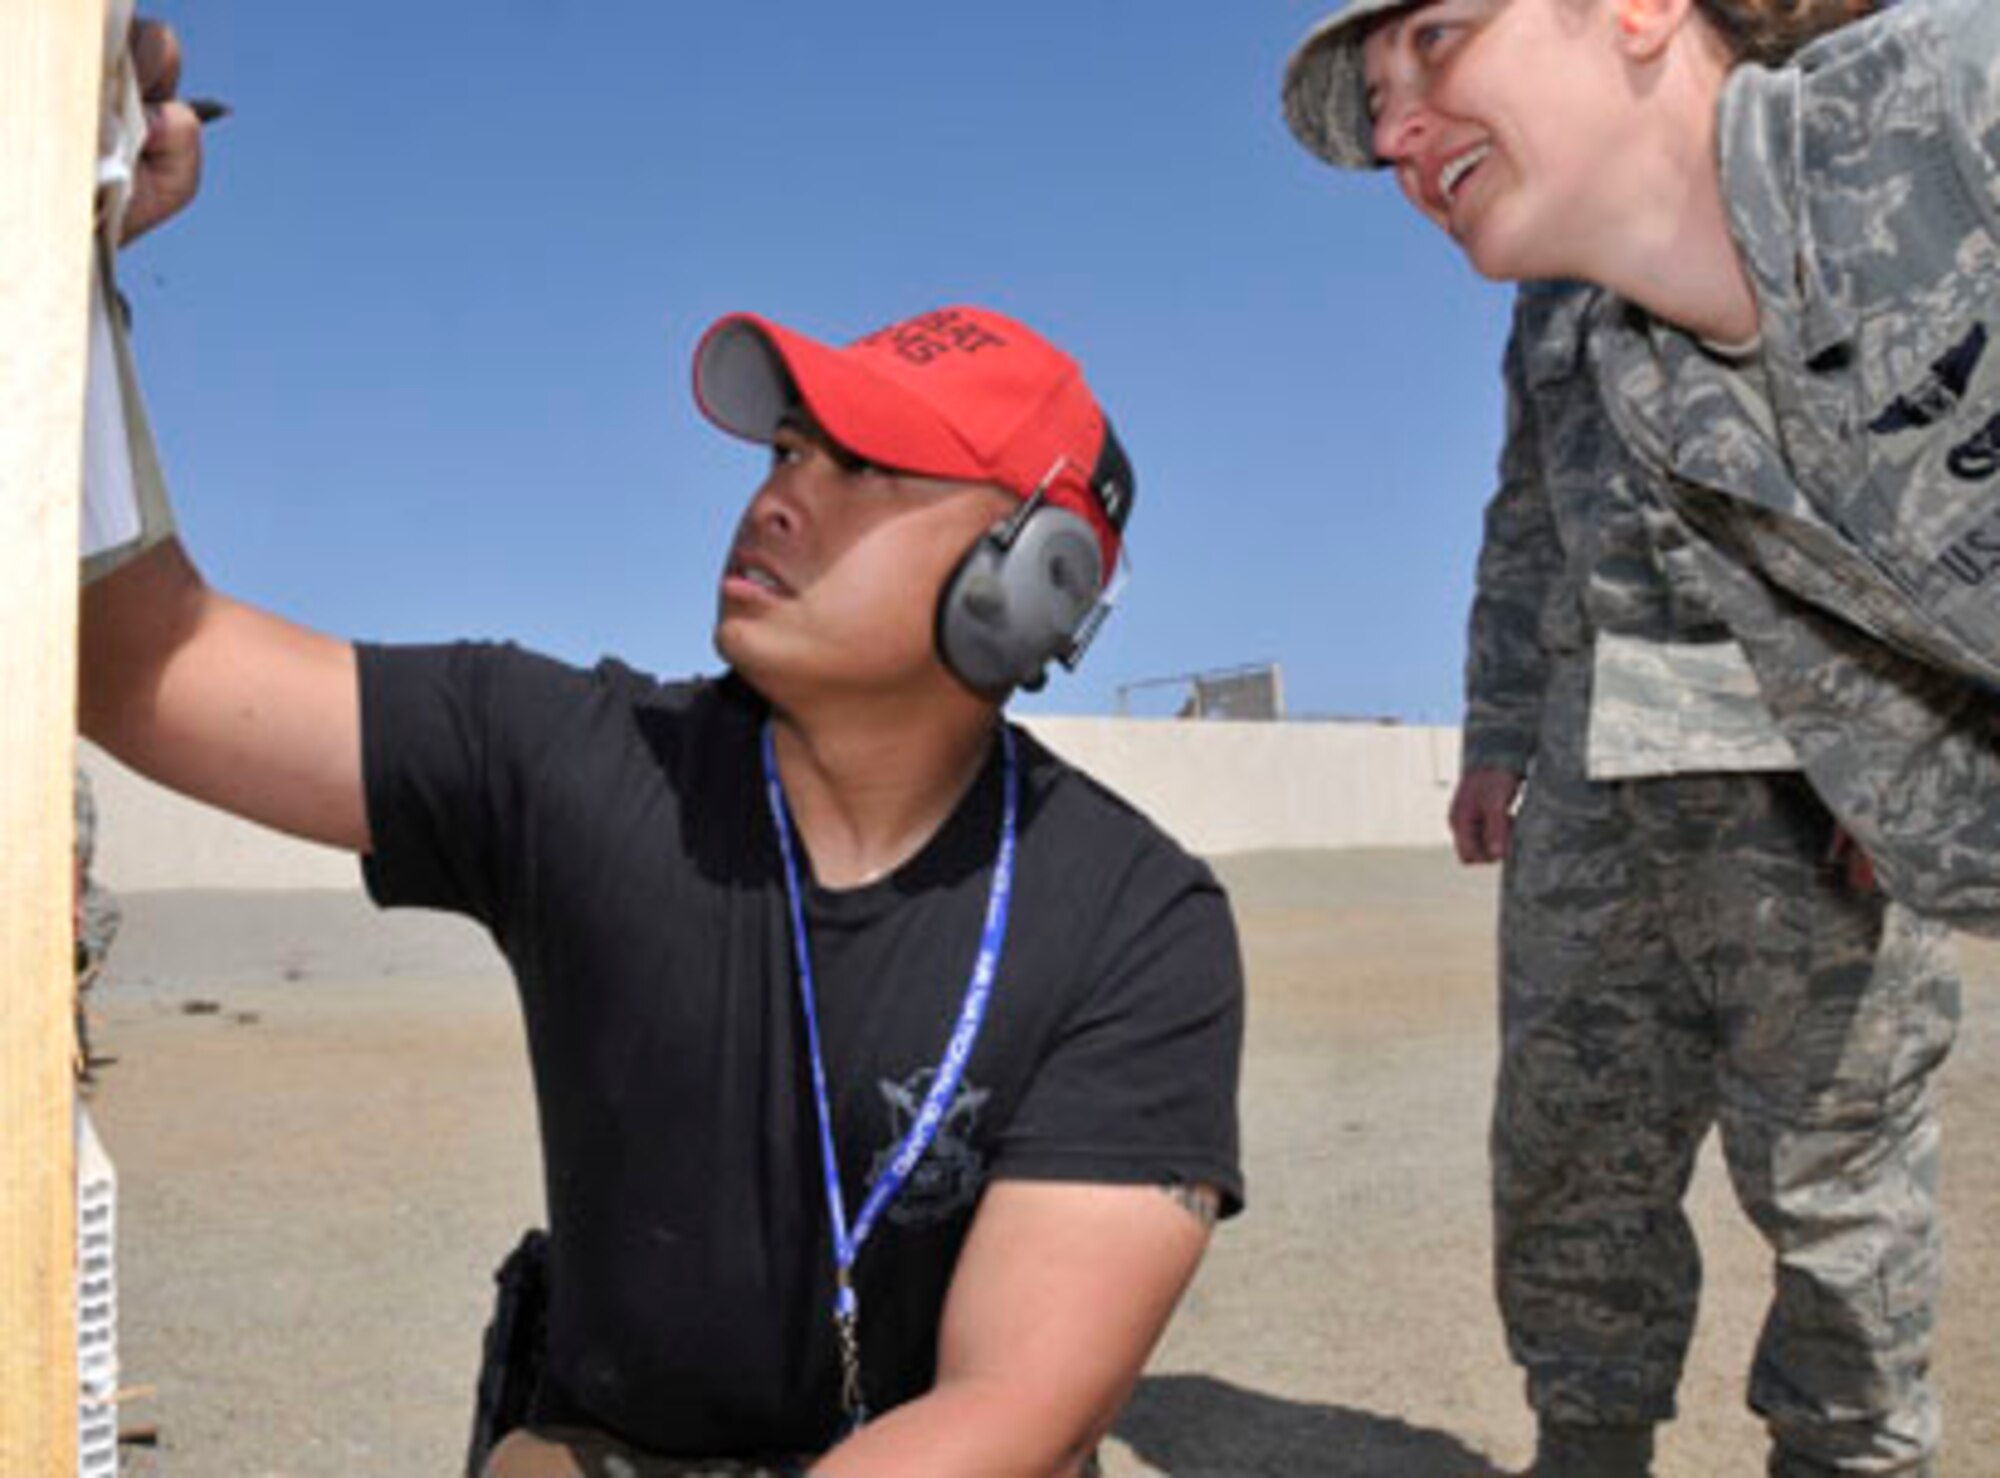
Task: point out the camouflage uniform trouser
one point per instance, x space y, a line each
96 917
1677 953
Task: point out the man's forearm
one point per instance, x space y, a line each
1061 1293
983 1426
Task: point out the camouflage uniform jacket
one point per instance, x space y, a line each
1835 491
1567 576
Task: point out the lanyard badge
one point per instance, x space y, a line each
847 1243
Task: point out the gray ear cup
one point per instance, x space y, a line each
1018 599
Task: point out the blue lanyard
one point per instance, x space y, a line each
944 1081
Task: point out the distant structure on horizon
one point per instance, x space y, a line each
1253 691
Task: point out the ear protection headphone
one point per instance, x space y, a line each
1028 592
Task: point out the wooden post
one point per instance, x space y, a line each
50 59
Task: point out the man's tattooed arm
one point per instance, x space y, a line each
1202 1202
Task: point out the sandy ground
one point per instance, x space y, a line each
321 1122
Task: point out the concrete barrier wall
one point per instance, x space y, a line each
1223 787
149 837
1219 787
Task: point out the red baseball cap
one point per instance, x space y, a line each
959 393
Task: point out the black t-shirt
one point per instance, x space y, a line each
613 834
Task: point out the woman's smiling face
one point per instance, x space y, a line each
1495 116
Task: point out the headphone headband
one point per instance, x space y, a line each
1111 481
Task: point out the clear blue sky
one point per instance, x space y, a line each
419 355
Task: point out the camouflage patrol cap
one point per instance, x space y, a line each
1326 95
